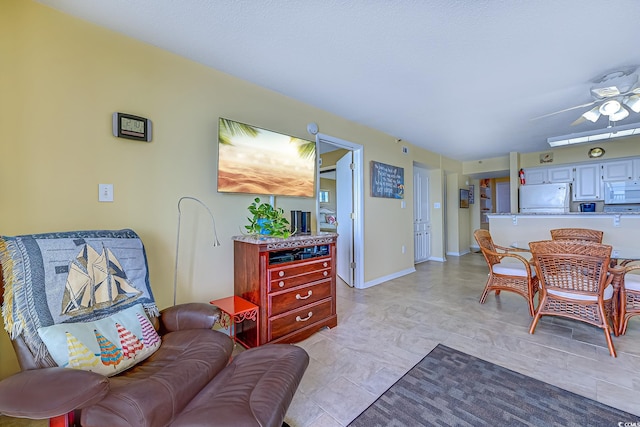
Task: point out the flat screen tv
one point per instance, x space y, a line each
259 161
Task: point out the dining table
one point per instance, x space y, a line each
617 264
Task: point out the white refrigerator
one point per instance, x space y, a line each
545 198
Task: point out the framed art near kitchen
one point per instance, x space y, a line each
464 198
471 194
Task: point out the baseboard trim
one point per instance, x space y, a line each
459 253
440 259
383 279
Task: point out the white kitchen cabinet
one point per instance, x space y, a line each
560 174
587 185
619 170
636 169
535 176
547 175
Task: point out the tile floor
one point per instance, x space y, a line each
385 330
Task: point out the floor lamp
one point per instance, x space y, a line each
216 242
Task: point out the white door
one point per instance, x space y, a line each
421 223
503 197
344 214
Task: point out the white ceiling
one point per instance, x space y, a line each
462 78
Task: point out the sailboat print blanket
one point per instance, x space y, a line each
67 277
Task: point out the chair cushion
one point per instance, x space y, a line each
254 390
632 282
107 346
154 392
608 293
512 268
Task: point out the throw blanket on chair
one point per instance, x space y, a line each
76 276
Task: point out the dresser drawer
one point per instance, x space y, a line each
285 277
296 319
295 298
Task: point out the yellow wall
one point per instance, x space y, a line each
486 165
61 79
332 157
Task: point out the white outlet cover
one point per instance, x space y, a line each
105 192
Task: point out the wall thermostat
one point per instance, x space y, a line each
131 127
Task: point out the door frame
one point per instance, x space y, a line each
358 201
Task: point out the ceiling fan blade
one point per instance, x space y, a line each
579 121
633 102
588 104
592 115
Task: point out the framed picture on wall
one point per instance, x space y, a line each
471 191
464 198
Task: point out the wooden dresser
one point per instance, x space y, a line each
293 281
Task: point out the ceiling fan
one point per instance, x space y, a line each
614 94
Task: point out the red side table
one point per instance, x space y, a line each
236 310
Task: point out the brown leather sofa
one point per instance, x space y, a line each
187 382
190 380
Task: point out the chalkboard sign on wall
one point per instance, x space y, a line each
387 181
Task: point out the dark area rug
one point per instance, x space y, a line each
451 388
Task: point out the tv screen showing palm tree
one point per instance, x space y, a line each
259 161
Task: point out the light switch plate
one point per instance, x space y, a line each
105 192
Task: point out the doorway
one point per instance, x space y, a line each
503 195
421 220
349 208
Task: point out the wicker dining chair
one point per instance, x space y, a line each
515 276
629 296
585 234
574 283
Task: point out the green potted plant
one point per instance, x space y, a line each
267 220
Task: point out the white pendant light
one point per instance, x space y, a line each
610 107
622 113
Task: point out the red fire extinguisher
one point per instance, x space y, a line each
521 173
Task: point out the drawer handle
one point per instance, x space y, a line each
301 297
300 319
281 273
325 264
325 274
281 284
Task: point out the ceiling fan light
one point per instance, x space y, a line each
633 102
622 113
610 107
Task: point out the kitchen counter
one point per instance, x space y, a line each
621 230
586 214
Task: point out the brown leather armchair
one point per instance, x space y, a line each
189 380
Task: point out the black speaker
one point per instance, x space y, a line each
305 223
296 221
